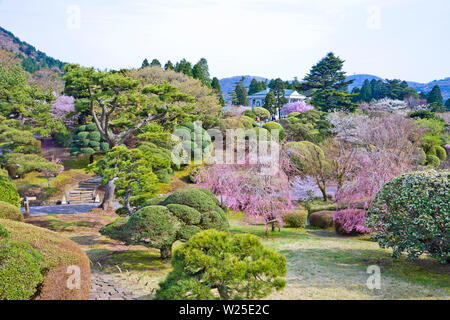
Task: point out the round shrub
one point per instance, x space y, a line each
95 136
261 113
247 122
192 197
8 192
154 201
10 212
322 219
21 269
91 127
163 175
440 153
296 219
249 114
432 161
411 213
59 254
269 126
4 233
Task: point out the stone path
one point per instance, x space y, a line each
103 288
62 209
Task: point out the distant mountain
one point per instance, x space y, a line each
31 58
227 84
45 70
443 84
359 80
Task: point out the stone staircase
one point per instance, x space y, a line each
84 192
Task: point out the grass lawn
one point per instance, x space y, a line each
321 264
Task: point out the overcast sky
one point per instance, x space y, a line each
406 39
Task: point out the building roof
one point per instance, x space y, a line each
287 93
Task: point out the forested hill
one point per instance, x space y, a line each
443 84
31 59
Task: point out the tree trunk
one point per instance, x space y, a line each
273 226
166 251
109 196
324 193
91 159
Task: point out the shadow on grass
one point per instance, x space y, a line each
130 260
424 271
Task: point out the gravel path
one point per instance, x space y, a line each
63 209
103 288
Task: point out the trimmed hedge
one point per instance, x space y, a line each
59 253
21 269
269 126
10 212
296 219
261 113
432 161
8 192
322 219
440 153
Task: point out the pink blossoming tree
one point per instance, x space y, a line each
299 106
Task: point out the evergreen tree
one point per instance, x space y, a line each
155 63
215 85
201 72
270 103
435 96
145 63
278 88
169 66
240 94
447 104
356 94
326 84
254 86
185 67
366 92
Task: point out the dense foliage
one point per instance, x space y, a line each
10 212
8 192
411 213
178 217
238 267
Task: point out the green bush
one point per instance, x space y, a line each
186 214
4 233
154 201
296 219
216 265
411 213
88 140
249 114
177 217
440 153
269 126
432 161
21 269
10 212
247 122
163 175
261 113
322 219
8 192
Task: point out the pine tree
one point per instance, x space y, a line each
253 88
215 85
240 94
155 63
366 92
278 87
185 67
435 96
447 104
145 63
169 66
201 72
270 103
326 84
